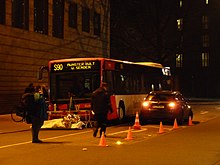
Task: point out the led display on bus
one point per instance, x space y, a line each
75 66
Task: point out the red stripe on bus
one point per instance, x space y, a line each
114 114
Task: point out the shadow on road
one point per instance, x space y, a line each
50 142
14 131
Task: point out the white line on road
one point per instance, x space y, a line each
204 112
16 144
79 133
55 137
115 133
73 134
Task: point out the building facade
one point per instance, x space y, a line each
197 65
32 32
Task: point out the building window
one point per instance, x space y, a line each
73 15
181 3
58 18
206 2
180 24
205 22
41 16
205 59
85 19
2 12
205 40
179 60
20 14
96 24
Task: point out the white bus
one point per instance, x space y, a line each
71 82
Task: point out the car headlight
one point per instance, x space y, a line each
145 104
172 105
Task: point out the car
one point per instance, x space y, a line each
165 106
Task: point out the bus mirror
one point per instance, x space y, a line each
40 72
39 76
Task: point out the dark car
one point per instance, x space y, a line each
165 106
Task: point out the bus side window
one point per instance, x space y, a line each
119 82
109 78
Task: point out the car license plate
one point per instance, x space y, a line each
158 106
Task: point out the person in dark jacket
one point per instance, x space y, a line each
30 88
38 114
100 107
27 102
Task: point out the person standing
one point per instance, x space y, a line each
100 107
38 114
29 89
27 102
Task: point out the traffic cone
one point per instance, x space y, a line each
161 130
129 135
137 122
102 141
190 121
175 125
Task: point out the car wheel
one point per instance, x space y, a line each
190 114
180 119
141 118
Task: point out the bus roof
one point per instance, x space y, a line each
150 64
153 64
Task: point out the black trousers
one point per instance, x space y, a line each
100 122
36 125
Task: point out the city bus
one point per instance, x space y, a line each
72 81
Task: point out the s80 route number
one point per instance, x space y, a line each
58 67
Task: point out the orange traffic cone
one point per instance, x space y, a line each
161 130
129 135
175 125
102 142
190 121
137 123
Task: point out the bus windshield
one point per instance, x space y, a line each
73 84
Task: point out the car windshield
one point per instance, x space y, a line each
161 97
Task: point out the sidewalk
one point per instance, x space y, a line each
7 125
203 101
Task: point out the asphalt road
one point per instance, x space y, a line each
192 145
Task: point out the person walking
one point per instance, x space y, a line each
38 114
100 107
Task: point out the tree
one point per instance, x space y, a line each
143 30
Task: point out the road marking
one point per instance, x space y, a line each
73 134
16 144
119 132
79 133
204 112
55 137
157 127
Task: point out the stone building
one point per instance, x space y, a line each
32 32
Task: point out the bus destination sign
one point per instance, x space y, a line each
75 66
